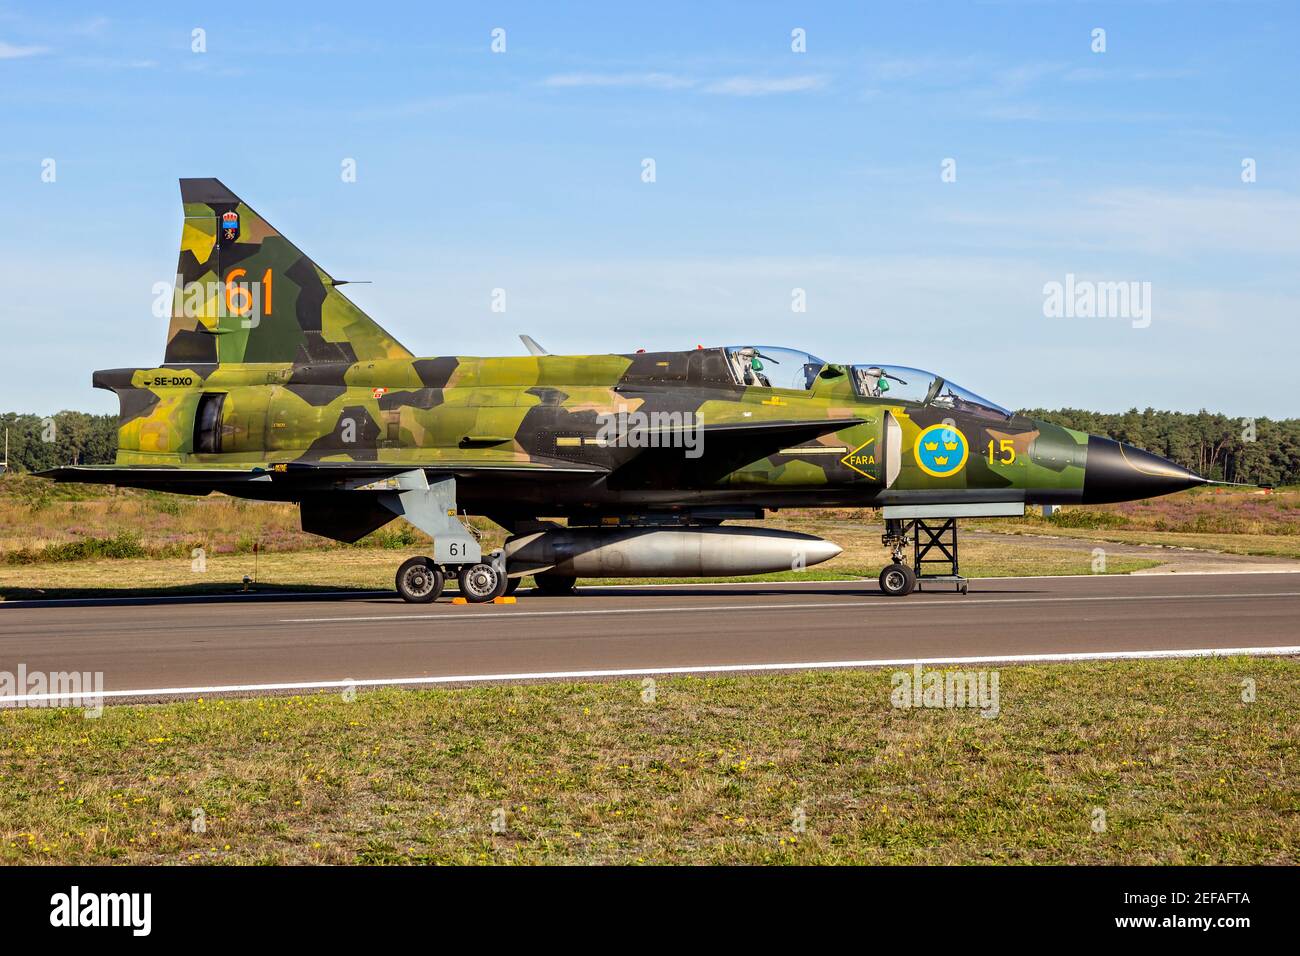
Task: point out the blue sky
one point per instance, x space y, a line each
775 170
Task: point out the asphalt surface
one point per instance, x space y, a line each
156 646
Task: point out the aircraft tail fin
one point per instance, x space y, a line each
245 293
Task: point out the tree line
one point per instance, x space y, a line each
68 438
1256 451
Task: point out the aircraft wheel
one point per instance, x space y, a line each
555 584
419 581
897 580
512 585
480 583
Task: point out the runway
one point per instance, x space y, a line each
163 648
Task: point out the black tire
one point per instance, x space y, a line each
512 585
420 581
480 583
555 584
897 580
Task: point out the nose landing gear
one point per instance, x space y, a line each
899 579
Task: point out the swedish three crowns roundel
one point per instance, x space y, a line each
941 450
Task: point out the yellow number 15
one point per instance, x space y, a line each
1003 454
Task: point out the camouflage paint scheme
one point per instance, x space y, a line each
318 400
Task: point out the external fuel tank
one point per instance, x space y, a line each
664 552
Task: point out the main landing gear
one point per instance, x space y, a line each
899 579
420 581
555 584
431 507
481 582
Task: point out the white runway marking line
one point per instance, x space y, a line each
272 596
654 671
879 603
592 585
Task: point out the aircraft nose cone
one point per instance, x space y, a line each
1119 472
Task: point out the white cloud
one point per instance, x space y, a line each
649 81
978 319
1014 111
925 70
1248 219
764 86
9 51
1214 220
1089 74
726 86
112 63
93 26
979 86
419 107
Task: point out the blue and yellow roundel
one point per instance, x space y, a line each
941 450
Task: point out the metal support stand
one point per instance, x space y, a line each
928 538
431 507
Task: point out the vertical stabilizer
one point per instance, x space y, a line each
244 293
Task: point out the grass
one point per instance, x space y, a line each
1233 521
1264 545
84 541
124 544
710 771
37 517
352 568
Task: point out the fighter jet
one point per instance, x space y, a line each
275 386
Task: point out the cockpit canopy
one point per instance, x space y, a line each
902 384
773 367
